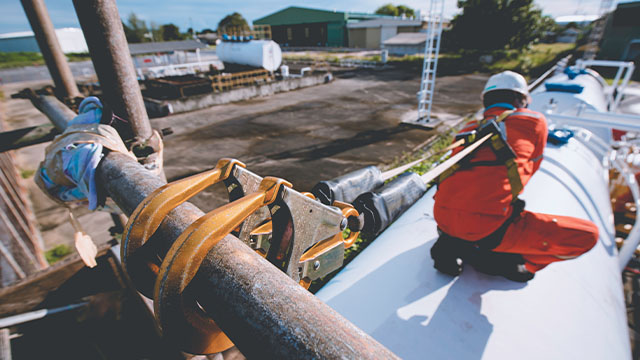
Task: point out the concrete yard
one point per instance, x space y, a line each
304 136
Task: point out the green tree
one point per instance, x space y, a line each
406 11
135 29
387 9
488 25
170 32
392 10
235 21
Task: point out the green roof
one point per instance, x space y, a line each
296 15
299 15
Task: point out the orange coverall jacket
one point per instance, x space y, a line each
473 202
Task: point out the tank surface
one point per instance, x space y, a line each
258 53
571 310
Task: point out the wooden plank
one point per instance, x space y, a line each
12 262
5 345
24 295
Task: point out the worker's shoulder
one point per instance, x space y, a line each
526 113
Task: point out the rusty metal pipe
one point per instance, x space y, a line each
58 113
32 135
264 312
51 51
102 27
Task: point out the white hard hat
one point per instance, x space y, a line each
507 80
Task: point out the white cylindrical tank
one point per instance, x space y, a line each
572 309
258 53
592 96
571 95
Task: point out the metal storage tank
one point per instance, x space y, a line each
561 95
571 310
258 53
592 97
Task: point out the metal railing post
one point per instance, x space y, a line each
50 48
102 28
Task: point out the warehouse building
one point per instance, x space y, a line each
71 41
621 39
302 27
406 44
371 34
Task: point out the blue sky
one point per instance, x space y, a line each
207 13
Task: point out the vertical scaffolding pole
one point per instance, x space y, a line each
50 48
102 27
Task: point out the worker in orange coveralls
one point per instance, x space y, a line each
480 219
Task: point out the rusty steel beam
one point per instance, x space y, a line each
102 28
50 48
263 311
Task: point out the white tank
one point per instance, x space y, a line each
571 310
258 53
592 97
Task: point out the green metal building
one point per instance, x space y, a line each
621 39
298 26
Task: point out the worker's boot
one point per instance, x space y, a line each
510 266
448 254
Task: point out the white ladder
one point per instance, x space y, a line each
598 31
430 64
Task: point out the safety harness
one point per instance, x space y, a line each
501 148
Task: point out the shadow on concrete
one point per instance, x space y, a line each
337 146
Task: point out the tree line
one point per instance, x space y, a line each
489 25
137 30
482 25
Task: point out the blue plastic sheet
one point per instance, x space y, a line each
79 161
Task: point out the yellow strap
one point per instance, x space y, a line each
512 167
514 179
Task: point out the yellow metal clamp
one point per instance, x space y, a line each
179 315
143 263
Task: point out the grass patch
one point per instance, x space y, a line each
57 253
537 56
19 59
23 58
27 173
530 62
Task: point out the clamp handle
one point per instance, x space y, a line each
179 316
143 266
348 211
326 256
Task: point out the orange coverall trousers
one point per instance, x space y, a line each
471 204
540 238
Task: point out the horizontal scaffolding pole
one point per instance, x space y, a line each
37 314
32 135
264 312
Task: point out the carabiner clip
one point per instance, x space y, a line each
142 265
179 316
